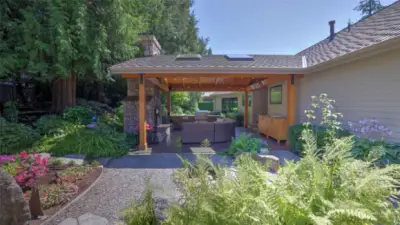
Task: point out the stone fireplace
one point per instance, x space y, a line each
153 105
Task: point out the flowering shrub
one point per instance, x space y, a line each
148 126
24 167
370 129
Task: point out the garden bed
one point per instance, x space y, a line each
63 183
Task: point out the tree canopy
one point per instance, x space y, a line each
60 41
368 7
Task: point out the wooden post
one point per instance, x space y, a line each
142 114
246 109
291 102
169 103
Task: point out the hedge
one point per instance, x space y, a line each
206 106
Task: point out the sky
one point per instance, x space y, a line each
271 26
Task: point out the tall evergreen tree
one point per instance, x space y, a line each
368 7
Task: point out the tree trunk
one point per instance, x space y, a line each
100 92
63 93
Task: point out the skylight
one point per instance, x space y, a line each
239 57
182 57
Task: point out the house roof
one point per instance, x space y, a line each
214 61
379 27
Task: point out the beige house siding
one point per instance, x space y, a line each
239 96
362 89
259 104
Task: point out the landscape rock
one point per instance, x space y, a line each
161 201
69 221
78 159
90 219
14 209
268 160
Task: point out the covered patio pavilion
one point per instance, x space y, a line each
210 73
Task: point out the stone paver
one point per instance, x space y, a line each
90 219
69 221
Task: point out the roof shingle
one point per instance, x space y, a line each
379 27
214 61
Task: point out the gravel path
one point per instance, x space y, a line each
116 189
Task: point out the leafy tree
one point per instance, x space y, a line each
368 7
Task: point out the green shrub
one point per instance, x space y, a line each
95 163
333 189
141 212
97 108
245 143
238 117
206 106
205 143
78 114
50 124
77 139
16 137
320 132
56 162
10 111
388 153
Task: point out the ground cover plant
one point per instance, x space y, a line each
16 137
328 188
245 143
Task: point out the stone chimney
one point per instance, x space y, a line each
150 45
332 29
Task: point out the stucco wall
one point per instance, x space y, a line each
259 104
278 109
362 89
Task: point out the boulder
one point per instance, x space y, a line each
271 161
14 209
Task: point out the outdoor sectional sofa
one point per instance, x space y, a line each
219 131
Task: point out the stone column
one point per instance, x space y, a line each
131 106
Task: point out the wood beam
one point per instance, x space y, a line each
194 87
169 103
246 109
142 114
156 82
291 101
270 81
195 75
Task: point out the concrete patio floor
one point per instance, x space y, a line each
172 145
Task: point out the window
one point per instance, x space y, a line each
275 94
229 105
181 57
239 57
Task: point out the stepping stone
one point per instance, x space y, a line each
69 221
90 219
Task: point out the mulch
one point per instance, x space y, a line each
83 184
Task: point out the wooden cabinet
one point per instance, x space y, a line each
275 127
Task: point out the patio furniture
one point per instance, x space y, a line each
273 126
220 131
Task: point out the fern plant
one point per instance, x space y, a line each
330 188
